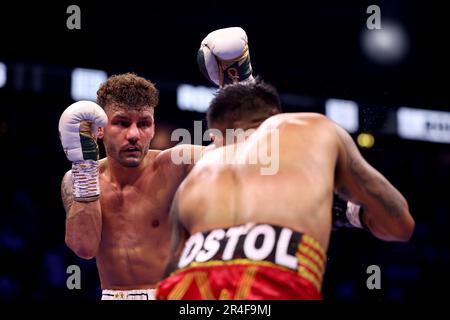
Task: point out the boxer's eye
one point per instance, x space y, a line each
121 123
144 124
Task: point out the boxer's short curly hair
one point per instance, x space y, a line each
237 102
127 91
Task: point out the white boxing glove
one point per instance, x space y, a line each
79 144
224 57
78 127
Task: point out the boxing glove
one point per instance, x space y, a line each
347 214
224 58
78 127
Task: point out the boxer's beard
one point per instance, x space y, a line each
130 162
124 160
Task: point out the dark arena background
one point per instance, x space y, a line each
388 87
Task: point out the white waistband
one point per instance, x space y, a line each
137 294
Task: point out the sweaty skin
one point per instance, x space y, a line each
136 227
315 158
127 229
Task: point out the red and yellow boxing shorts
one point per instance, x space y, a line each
251 261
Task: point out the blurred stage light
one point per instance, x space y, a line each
2 74
191 98
387 45
424 125
365 140
344 112
85 83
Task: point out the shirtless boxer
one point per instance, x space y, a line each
117 208
130 242
255 236
224 58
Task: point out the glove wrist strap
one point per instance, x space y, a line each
85 179
235 70
354 215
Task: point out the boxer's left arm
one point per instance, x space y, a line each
179 237
187 155
386 211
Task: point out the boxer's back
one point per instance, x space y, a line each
283 174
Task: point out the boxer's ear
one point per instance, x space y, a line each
216 137
100 133
153 131
217 140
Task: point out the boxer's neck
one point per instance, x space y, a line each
123 175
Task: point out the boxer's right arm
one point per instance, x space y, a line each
386 212
83 222
78 128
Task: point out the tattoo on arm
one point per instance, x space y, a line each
66 191
375 187
372 183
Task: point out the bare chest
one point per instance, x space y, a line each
135 213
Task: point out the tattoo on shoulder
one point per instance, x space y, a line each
66 191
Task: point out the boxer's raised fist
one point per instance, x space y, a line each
224 57
78 128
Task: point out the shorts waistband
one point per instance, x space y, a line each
146 294
260 244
